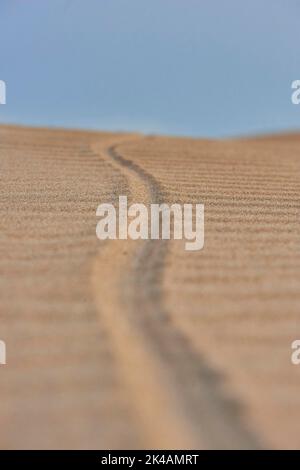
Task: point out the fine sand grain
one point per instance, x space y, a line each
141 344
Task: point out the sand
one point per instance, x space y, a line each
141 344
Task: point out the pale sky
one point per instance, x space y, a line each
185 67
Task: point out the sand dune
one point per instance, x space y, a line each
136 344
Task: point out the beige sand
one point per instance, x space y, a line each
136 344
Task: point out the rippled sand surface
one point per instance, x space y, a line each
141 344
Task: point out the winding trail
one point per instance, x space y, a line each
178 397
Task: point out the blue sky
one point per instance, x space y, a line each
185 67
